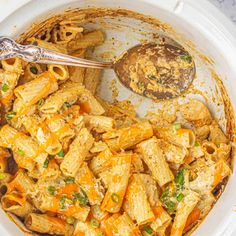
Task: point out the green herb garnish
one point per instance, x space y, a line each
67 104
186 58
176 126
51 190
81 197
21 152
147 229
179 179
152 77
115 197
62 202
70 180
5 87
94 223
45 164
61 153
180 197
34 70
10 115
196 144
166 200
2 176
100 233
41 102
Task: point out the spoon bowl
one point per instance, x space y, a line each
157 71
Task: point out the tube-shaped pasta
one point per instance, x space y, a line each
17 204
37 89
119 176
184 208
100 124
101 162
85 228
223 151
60 72
12 65
162 219
40 131
154 158
79 149
209 175
151 189
4 154
136 197
202 132
98 213
210 150
124 226
8 83
60 128
196 113
217 136
67 93
89 184
178 136
48 45
20 143
43 223
172 152
32 71
92 79
89 104
22 183
69 32
130 136
90 39
77 73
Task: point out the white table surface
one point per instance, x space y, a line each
228 7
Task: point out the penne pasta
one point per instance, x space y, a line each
8 81
12 65
59 72
90 39
89 184
32 71
184 208
176 135
196 113
16 204
173 153
135 197
154 158
92 79
100 124
43 223
128 137
119 176
68 93
37 89
40 131
124 226
77 153
76 73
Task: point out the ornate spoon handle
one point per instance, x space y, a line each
31 53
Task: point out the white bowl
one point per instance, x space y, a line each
198 21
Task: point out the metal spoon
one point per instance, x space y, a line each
158 71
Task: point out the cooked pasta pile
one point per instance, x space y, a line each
73 164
